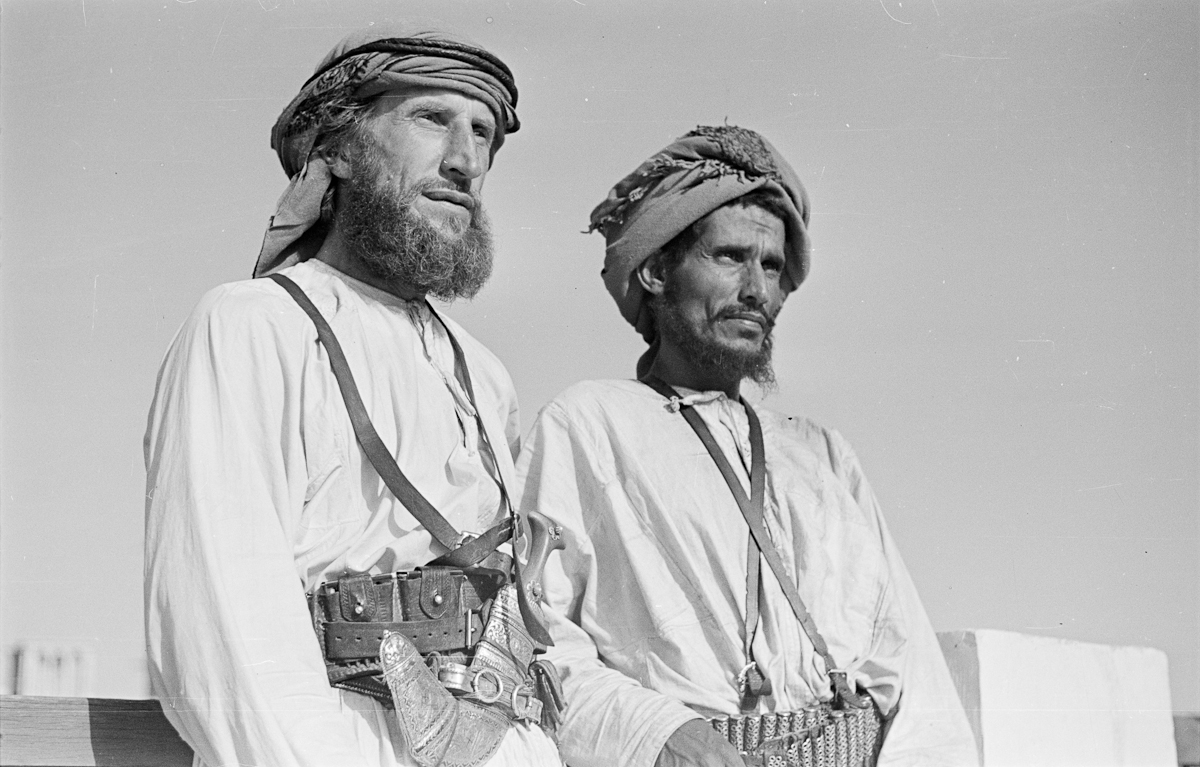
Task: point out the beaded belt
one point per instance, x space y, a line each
814 737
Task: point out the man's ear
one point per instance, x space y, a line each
650 274
336 156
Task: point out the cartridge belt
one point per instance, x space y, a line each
818 736
430 593
439 610
346 641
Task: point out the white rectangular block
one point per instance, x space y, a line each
1041 701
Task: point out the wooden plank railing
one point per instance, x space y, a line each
94 732
87 732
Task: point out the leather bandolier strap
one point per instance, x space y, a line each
462 551
450 645
846 703
465 555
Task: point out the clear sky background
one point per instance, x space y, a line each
1002 315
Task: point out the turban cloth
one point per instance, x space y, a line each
681 184
362 66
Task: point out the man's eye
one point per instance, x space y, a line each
773 266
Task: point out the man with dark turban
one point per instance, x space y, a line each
329 578
729 589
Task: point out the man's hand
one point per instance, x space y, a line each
697 744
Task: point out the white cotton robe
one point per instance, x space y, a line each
257 492
652 582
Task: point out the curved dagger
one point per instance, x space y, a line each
544 537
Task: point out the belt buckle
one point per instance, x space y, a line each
526 706
465 537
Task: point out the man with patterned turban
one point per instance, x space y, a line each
729 590
325 448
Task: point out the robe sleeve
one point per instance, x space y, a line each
930 727
231 648
611 719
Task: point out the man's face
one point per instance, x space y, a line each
438 143
411 219
719 304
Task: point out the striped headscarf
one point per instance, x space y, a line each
681 184
364 65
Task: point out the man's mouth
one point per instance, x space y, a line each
757 318
451 196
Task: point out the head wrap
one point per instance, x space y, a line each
366 64
681 184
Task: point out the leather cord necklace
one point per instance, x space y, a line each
760 541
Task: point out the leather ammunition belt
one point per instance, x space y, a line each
815 737
439 610
444 613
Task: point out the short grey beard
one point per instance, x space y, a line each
397 244
707 353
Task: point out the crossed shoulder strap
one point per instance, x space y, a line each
459 554
462 551
752 509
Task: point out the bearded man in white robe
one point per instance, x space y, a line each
729 591
278 558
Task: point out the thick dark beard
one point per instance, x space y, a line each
708 353
397 244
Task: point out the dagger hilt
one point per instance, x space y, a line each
544 537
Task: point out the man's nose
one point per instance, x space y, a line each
754 291
464 158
